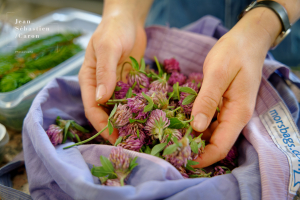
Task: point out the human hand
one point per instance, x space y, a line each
232 74
118 36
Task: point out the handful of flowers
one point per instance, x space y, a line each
152 112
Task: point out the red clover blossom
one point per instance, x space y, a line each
55 134
176 77
156 123
159 85
137 105
132 129
132 143
195 78
121 93
121 117
119 159
171 65
187 108
141 80
181 155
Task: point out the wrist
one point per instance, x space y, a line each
260 25
134 10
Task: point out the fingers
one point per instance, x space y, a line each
235 113
87 79
108 55
215 83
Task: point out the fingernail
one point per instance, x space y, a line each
200 122
100 92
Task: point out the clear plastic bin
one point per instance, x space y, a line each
14 105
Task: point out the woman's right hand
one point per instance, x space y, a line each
119 35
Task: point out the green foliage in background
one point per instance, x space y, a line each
18 68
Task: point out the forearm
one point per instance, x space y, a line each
137 9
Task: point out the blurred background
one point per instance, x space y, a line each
32 9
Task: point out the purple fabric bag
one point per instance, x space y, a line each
266 167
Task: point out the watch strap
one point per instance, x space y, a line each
279 10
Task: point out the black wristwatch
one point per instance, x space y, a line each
280 12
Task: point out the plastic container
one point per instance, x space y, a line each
15 104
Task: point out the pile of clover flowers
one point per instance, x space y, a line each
152 113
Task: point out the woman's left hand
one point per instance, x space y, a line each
232 72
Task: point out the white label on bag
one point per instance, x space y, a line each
285 135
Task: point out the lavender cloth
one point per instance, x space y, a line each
54 173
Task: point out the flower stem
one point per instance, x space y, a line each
189 120
176 109
108 103
117 100
188 132
122 181
87 140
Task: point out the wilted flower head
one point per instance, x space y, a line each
119 159
142 81
171 65
159 98
122 89
156 123
132 143
219 171
169 113
195 78
159 85
132 129
121 117
112 182
230 158
181 155
55 134
177 77
174 132
137 105
180 116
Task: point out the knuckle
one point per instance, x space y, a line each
209 101
101 70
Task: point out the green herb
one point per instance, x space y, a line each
158 148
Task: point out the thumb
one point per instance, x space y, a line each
212 89
107 57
